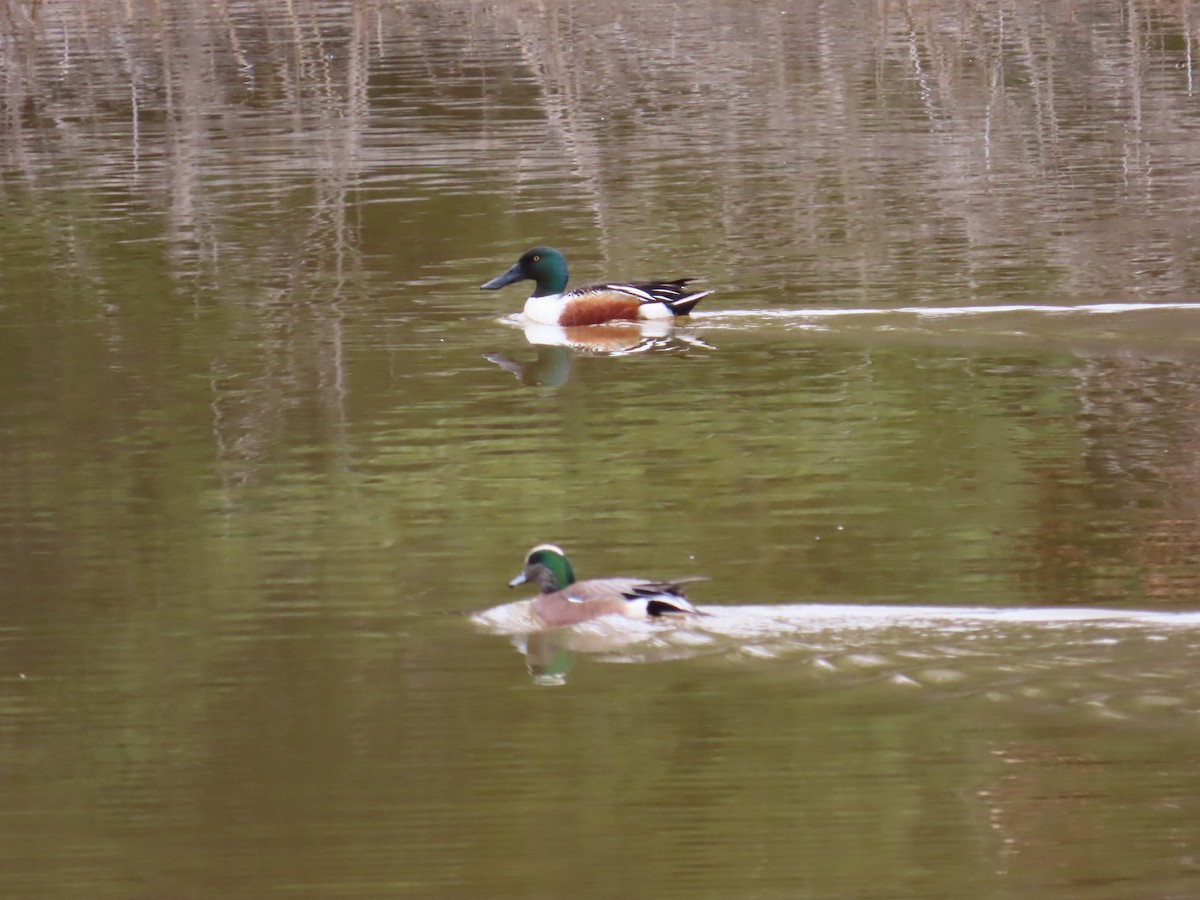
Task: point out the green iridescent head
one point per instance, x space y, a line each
544 266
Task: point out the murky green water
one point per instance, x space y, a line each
933 439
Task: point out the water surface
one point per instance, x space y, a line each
266 443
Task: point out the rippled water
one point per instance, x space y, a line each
266 443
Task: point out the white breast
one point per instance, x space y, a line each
544 309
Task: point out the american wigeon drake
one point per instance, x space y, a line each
565 601
552 304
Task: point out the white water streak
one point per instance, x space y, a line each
929 312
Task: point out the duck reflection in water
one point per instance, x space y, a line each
547 657
550 368
552 365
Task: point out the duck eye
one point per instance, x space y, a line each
537 259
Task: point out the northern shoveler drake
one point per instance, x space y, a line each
552 304
565 601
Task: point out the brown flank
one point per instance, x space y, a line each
598 308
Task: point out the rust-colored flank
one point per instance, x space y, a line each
600 307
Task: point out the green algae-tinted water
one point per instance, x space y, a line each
263 445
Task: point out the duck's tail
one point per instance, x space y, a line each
666 597
673 295
683 305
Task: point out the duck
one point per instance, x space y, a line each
565 601
552 304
